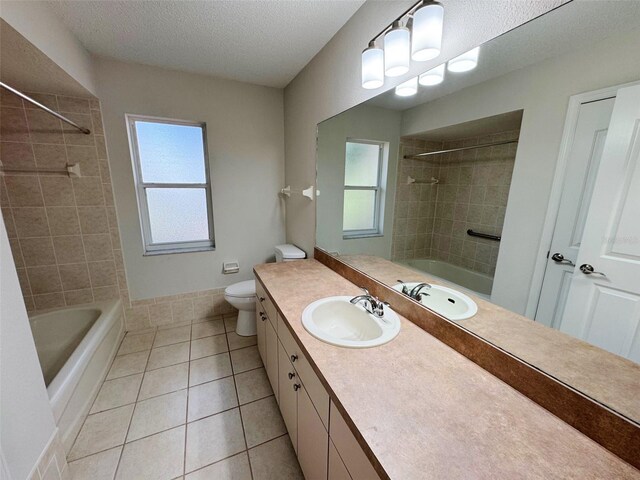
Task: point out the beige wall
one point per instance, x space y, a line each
246 153
543 92
62 230
330 83
26 419
361 123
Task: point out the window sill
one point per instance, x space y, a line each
173 251
367 235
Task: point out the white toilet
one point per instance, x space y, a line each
242 295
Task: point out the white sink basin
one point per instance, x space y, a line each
337 321
448 302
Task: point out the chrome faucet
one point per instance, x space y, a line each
415 292
371 304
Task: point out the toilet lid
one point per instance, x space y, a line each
241 289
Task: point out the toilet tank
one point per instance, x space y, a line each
288 253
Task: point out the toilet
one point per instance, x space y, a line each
242 295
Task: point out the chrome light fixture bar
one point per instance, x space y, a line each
416 34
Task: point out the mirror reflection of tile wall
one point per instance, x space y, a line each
431 221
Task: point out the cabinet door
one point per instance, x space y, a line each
313 439
287 381
272 357
261 331
337 470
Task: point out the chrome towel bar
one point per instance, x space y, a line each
471 233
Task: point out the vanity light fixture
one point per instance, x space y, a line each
465 62
408 88
426 32
432 77
372 66
397 50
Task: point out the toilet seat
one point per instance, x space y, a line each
246 289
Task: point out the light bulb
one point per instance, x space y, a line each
426 33
372 67
465 62
397 51
432 77
408 88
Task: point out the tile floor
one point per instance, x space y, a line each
190 402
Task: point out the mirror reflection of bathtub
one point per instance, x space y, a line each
75 347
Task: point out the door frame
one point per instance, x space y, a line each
555 197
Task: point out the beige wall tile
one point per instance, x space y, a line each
73 136
74 276
8 99
105 293
57 191
77 297
50 156
63 220
49 300
86 157
73 104
88 191
16 155
31 222
43 127
101 146
46 99
69 249
13 125
93 220
182 311
37 251
102 273
97 247
44 279
23 190
24 281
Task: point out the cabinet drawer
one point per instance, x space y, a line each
310 380
349 449
267 304
287 379
337 470
261 324
313 439
272 357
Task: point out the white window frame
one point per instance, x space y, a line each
159 248
376 231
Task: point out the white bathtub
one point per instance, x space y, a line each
75 347
476 283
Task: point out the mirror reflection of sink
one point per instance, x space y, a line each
448 302
336 321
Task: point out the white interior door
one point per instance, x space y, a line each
582 165
603 304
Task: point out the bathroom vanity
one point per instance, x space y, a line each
409 409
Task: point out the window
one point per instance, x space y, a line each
362 189
172 184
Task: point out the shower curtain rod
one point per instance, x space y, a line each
86 131
459 149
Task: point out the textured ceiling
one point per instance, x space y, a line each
266 42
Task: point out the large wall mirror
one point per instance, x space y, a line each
507 198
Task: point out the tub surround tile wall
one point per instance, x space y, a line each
52 465
431 221
63 231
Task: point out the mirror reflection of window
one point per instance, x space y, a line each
363 188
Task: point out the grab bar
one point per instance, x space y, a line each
497 238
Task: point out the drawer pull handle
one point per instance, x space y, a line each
294 358
262 299
291 375
296 387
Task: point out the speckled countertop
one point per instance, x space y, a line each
423 410
603 376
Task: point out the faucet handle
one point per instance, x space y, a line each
366 292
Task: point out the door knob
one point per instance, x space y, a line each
559 258
588 270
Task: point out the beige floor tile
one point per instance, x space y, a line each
275 459
262 421
236 341
253 385
157 414
210 398
209 368
245 359
159 457
102 431
128 365
117 392
208 328
136 343
207 346
101 466
169 336
232 468
168 355
164 380
214 438
230 324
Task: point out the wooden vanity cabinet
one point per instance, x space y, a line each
261 332
337 469
288 379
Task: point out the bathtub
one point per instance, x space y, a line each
474 282
75 347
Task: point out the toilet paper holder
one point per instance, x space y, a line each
230 267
